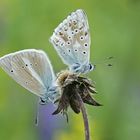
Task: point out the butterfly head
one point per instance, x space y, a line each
77 68
91 67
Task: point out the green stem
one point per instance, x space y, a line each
85 119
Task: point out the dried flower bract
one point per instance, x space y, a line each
71 86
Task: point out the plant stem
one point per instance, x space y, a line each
85 119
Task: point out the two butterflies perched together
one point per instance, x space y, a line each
32 68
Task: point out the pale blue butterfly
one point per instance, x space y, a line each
71 39
32 69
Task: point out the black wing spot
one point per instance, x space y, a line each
12 71
81 38
86 33
62 44
65 29
84 52
72 33
57 41
68 43
60 33
74 22
76 30
81 28
85 44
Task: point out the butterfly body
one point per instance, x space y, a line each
77 68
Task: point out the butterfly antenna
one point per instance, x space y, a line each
104 61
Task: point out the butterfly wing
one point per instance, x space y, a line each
71 39
31 69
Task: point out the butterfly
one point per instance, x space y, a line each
31 69
71 39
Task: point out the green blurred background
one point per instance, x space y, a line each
115 31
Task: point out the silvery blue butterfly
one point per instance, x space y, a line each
71 39
31 69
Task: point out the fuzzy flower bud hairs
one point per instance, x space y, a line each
32 69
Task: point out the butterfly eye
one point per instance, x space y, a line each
42 102
90 66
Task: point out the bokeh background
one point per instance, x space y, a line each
115 31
